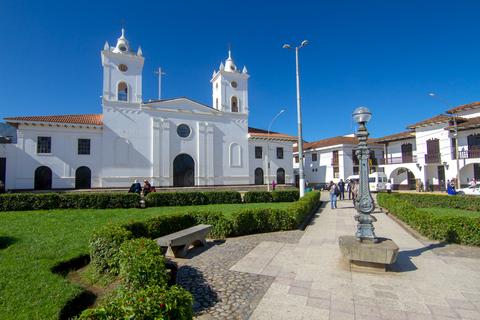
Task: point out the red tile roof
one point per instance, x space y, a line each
395 137
329 142
463 107
465 124
441 118
92 119
260 133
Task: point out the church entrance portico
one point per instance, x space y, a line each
183 171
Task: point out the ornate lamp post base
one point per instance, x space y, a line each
365 249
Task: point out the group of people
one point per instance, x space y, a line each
136 187
337 191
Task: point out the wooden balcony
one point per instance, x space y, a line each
399 160
432 158
467 154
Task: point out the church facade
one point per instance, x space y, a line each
170 142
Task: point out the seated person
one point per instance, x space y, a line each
147 187
135 187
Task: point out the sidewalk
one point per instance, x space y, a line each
313 282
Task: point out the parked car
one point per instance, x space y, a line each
470 190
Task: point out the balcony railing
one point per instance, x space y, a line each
467 154
399 160
432 158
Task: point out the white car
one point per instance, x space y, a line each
470 191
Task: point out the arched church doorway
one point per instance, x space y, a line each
83 178
183 171
259 176
280 176
43 178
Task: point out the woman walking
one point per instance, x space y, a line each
333 189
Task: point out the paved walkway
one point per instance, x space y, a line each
311 280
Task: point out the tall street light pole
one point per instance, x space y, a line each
299 119
455 133
268 147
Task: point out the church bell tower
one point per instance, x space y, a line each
230 87
122 73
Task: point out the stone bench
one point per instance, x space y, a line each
177 243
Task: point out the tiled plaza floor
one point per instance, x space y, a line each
312 281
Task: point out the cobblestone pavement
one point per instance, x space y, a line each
220 293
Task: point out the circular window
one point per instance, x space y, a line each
122 67
234 84
183 130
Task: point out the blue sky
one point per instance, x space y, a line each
386 55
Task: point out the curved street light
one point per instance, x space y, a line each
268 146
299 119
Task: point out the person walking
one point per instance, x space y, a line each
355 191
341 187
349 189
388 186
274 184
333 189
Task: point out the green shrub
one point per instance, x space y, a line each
160 199
48 201
223 197
257 196
285 196
471 203
449 227
154 302
222 226
104 245
99 200
163 225
142 264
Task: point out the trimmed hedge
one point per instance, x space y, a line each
142 264
48 201
471 203
451 228
274 196
154 302
104 245
160 199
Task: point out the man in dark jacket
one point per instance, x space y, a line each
341 186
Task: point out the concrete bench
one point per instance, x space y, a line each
177 243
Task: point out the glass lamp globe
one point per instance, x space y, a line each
361 114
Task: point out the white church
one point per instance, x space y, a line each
170 142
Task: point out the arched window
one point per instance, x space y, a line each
216 103
280 176
235 155
259 176
122 92
234 104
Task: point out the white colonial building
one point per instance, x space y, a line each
332 159
171 142
427 152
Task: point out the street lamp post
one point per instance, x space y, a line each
268 147
455 136
299 119
364 201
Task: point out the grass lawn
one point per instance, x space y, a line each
32 242
449 211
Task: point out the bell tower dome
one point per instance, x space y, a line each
122 73
230 87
